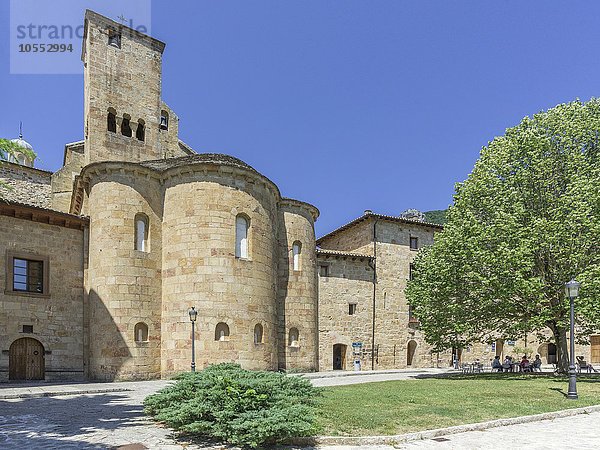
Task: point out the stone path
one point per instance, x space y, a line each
574 432
110 415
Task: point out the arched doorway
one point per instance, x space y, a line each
411 348
26 360
339 357
552 353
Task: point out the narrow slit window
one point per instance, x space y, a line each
294 337
351 309
241 237
141 232
296 251
258 334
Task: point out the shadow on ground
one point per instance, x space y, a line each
78 422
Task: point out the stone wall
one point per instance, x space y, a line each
127 79
349 280
200 268
297 296
124 284
393 329
26 185
56 317
62 179
394 332
358 238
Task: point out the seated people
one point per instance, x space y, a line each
496 364
525 364
537 364
583 365
507 364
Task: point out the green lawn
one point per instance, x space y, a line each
397 407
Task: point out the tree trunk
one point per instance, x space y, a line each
560 336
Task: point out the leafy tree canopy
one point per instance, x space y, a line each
525 221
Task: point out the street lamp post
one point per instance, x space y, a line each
572 291
193 314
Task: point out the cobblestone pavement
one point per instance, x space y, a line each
115 419
89 421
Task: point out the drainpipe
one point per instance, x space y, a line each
374 267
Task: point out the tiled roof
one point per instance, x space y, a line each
325 252
200 158
369 214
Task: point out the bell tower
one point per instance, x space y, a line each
122 92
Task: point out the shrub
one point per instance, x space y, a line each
239 406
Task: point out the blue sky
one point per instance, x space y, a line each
350 105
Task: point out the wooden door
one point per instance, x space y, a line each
595 341
26 360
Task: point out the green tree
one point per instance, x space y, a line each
525 221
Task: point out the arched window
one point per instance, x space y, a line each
241 236
140 332
111 120
296 250
126 126
141 232
221 332
258 333
164 120
140 132
293 337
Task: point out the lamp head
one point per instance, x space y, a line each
572 288
193 314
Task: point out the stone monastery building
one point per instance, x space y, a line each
104 257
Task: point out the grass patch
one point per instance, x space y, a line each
396 407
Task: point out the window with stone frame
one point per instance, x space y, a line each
242 225
296 252
27 274
351 309
258 334
141 232
141 332
222 332
323 270
414 243
294 337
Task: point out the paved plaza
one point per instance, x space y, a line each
110 415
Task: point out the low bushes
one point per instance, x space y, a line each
239 406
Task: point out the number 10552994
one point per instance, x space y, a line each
45 48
